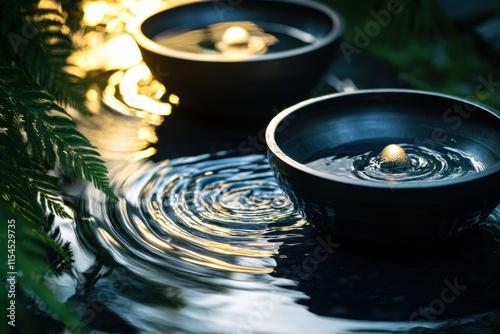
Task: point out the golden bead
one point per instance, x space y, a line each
393 154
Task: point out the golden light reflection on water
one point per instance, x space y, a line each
154 241
173 99
142 7
49 4
235 39
104 12
122 53
218 264
137 80
108 237
94 12
104 46
135 92
128 107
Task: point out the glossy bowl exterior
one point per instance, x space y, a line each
217 86
392 214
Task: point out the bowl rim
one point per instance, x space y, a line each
273 147
134 27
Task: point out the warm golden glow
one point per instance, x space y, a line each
109 99
143 7
147 133
116 78
394 154
93 101
235 35
129 89
94 12
115 25
215 263
92 95
108 237
154 241
241 38
173 99
145 154
49 4
122 53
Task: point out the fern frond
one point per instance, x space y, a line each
49 194
50 51
74 10
40 44
21 202
59 262
51 133
27 186
32 269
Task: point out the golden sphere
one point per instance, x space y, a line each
393 154
235 36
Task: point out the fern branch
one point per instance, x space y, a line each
51 133
40 43
33 268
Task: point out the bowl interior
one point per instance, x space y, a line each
290 17
420 118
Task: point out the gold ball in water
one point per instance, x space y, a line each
394 154
235 36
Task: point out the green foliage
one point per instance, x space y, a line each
426 47
37 136
50 132
38 42
32 248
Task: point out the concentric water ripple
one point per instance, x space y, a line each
424 164
205 215
197 238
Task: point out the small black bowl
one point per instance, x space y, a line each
214 85
419 213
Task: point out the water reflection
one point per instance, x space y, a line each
362 160
208 244
232 39
454 281
194 215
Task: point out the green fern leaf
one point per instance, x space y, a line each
32 269
51 132
28 187
74 9
30 192
40 43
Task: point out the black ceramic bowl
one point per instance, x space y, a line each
419 213
215 85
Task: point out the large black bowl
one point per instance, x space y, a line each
413 213
218 86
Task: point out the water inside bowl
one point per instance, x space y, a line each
236 37
362 160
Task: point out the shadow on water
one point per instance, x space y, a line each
452 281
